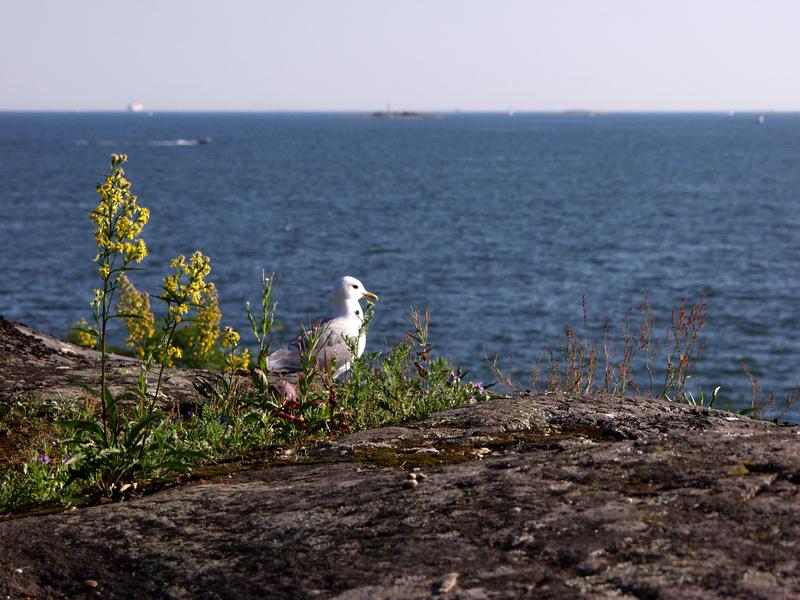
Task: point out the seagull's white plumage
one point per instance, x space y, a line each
343 324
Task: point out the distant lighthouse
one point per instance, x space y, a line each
135 107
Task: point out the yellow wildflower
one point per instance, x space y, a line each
229 338
118 219
171 284
85 334
134 306
235 362
179 309
203 333
168 354
140 251
194 273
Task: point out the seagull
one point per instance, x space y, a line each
342 325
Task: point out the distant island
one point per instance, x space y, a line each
583 112
400 114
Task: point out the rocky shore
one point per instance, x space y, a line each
547 496
34 364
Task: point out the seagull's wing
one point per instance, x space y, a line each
332 347
285 360
290 359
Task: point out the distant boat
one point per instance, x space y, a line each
181 142
135 107
760 119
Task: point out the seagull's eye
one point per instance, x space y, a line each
355 286
358 312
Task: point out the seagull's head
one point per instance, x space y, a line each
348 289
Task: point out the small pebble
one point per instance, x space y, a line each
431 451
412 483
91 583
447 583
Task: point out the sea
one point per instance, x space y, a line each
507 228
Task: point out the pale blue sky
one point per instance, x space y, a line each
423 55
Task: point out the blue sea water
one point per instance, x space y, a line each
500 225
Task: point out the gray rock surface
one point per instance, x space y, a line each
547 497
34 364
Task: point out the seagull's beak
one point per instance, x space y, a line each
367 294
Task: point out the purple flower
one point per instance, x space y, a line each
44 458
67 458
454 378
189 414
223 419
478 385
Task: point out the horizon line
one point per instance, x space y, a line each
455 111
